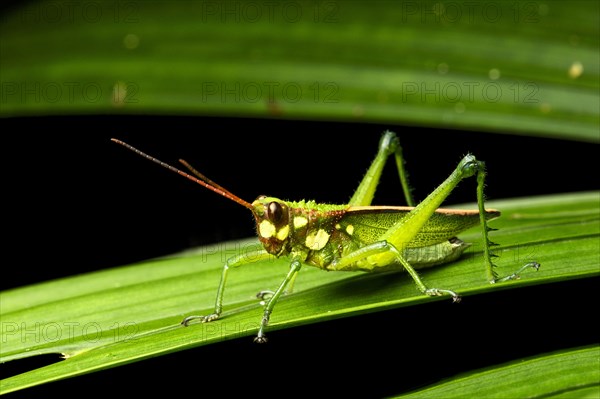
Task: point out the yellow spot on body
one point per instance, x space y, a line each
338 226
317 241
300 221
283 233
575 70
350 229
266 229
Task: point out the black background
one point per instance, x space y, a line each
75 202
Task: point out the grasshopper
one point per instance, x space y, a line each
356 235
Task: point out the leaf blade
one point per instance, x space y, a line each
439 71
569 373
96 329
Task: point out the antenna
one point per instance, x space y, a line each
201 179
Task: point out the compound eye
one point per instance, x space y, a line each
274 212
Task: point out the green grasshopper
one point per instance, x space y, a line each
356 235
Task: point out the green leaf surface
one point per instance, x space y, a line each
571 373
113 317
521 67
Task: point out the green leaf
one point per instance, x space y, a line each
571 373
522 67
113 317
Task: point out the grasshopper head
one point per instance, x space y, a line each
272 224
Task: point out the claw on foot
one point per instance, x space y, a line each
203 319
439 292
265 294
517 275
534 265
261 339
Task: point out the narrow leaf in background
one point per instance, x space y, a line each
454 64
